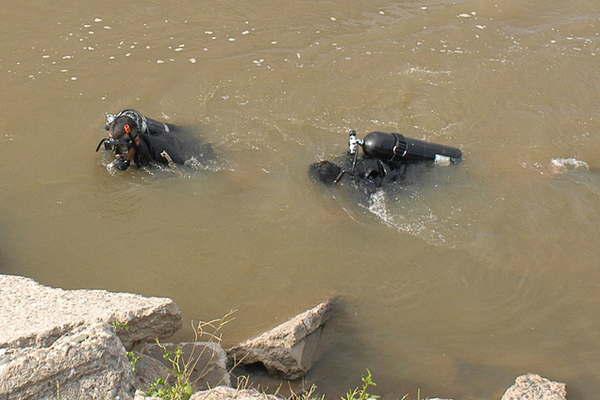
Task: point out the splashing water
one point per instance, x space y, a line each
421 224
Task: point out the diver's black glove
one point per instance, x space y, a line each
121 164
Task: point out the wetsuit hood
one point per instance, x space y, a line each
325 172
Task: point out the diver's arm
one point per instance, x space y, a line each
397 173
123 162
130 154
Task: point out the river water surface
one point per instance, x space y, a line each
454 284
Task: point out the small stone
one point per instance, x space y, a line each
225 393
535 387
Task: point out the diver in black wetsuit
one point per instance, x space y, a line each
386 157
137 139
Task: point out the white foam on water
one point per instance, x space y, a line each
378 208
422 224
561 165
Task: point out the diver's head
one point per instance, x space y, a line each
123 126
122 137
325 172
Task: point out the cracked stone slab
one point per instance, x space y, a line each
84 362
37 314
288 350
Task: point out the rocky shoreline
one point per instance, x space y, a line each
94 344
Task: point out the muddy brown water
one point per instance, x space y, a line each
454 284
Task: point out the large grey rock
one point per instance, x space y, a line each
535 387
38 315
207 362
289 349
227 393
85 362
148 370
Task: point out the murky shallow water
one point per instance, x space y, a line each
455 284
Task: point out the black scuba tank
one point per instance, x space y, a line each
397 147
156 127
